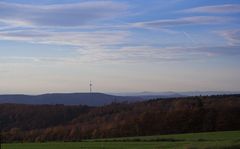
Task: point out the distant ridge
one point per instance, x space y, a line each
99 99
169 94
90 99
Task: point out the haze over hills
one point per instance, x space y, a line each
98 99
171 94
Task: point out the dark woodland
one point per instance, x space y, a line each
39 123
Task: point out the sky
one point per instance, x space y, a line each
121 45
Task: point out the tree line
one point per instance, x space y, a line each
32 123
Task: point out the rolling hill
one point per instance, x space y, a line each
90 99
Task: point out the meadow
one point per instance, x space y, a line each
209 140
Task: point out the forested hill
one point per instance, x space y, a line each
165 116
90 99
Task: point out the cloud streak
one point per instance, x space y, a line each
62 15
196 20
80 39
151 54
131 54
232 36
226 8
96 47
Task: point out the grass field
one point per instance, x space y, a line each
212 140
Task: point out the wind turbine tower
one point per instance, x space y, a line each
90 86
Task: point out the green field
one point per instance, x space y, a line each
212 140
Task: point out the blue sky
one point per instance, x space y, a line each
121 45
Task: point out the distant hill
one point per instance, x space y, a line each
153 95
98 99
90 99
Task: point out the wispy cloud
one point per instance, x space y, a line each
226 8
90 45
132 54
58 25
80 39
37 60
62 15
150 54
232 36
183 21
96 47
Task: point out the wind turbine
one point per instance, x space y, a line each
90 86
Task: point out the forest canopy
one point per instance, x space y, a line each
37 123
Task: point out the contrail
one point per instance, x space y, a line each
189 37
